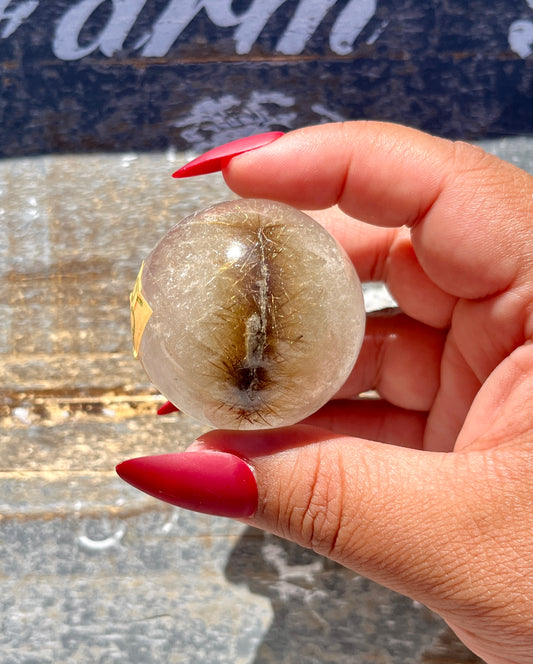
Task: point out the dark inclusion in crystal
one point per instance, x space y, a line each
256 316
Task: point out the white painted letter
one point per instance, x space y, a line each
110 39
252 22
521 38
305 21
177 16
349 25
16 16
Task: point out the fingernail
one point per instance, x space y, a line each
206 481
217 158
167 408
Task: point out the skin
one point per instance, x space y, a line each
428 490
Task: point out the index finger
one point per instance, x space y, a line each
469 212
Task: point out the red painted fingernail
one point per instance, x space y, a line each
167 408
217 158
207 481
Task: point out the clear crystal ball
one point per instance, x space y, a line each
248 315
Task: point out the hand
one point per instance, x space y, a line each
429 489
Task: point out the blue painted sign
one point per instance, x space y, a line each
149 74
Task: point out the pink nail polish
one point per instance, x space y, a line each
214 160
167 408
206 481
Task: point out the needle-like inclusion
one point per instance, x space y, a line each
248 315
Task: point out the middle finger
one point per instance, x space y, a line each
400 359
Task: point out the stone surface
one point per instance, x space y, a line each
90 569
248 315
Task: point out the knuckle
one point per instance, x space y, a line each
318 518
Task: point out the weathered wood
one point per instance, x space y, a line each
100 75
74 234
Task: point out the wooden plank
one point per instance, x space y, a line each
148 74
74 233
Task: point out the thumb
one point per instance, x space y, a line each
449 530
444 529
385 511
382 510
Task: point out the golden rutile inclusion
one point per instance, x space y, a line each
256 315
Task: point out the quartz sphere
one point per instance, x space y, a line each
248 315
